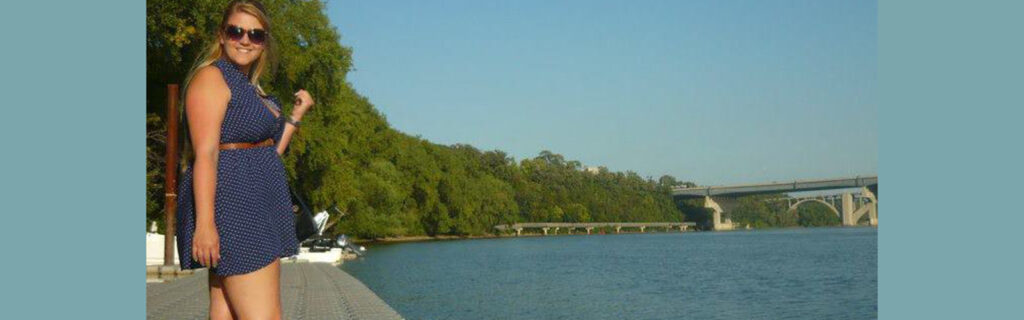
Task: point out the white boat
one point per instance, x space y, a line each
324 249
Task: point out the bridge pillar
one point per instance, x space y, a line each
849 218
589 229
722 219
642 229
872 207
556 230
617 229
569 229
545 230
682 228
873 214
519 231
852 213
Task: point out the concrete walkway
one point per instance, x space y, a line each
308 291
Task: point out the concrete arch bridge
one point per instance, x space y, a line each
848 206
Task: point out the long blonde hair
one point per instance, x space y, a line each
215 51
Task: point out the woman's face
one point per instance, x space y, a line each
243 51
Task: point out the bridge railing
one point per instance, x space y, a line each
773 187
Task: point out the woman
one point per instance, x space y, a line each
234 209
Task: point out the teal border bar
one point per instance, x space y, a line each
72 77
949 238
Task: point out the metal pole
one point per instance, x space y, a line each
171 174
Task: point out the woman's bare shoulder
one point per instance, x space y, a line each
209 81
209 75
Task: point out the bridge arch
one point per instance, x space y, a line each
829 205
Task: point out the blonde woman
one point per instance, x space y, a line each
234 209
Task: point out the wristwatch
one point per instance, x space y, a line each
291 120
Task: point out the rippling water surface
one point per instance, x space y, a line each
822 273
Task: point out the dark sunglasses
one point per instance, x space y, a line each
256 36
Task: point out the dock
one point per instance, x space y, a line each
308 291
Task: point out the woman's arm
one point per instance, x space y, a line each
286 137
303 101
206 102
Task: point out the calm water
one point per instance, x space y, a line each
823 273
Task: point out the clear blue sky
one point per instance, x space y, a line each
714 92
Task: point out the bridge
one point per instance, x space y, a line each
722 199
861 204
589 226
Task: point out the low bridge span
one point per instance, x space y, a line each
589 226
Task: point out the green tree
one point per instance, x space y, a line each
815 214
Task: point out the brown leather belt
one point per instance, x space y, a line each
247 145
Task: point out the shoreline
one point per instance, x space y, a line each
405 239
411 239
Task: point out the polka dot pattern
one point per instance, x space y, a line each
252 205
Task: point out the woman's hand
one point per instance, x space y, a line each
206 246
303 101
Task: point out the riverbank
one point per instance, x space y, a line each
404 239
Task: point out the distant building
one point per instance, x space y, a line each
592 170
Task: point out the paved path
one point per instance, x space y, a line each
308 291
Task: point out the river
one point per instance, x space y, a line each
813 273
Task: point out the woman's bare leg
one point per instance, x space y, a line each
219 308
256 295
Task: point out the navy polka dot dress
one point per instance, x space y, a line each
252 204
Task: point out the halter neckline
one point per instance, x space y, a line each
233 66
